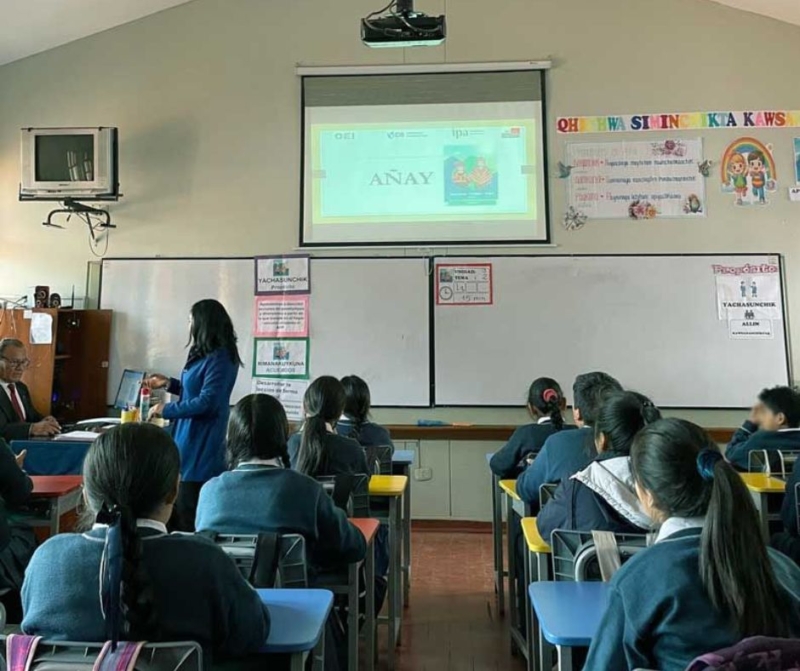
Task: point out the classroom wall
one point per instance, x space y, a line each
207 102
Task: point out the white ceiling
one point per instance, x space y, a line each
30 26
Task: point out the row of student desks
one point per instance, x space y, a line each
298 615
566 615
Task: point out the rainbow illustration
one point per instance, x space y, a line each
744 146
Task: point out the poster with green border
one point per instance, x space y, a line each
285 358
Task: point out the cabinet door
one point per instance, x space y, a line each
89 347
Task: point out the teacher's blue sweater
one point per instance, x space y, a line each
659 615
199 593
259 498
748 438
200 417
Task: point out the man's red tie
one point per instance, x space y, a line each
15 402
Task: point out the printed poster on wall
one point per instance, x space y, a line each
797 160
281 357
464 284
748 171
754 329
636 180
284 316
748 293
289 274
289 392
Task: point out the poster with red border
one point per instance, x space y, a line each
464 284
284 316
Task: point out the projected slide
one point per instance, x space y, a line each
424 173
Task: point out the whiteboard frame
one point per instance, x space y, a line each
429 258
781 273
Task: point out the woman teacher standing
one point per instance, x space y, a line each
200 417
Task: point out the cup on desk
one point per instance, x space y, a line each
128 416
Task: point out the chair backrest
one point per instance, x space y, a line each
575 554
72 656
772 462
379 459
349 491
292 564
546 492
797 505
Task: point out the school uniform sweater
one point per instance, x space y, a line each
602 497
342 456
367 435
528 439
748 438
659 615
563 454
15 490
260 498
199 593
789 509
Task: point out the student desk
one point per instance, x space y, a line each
392 487
537 569
57 495
516 510
52 457
402 460
767 493
298 618
369 528
569 615
497 538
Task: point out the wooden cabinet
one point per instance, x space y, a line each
68 378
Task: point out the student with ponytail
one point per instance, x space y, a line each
153 586
709 581
355 420
261 493
602 497
318 450
546 404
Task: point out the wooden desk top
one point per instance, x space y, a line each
763 484
387 485
53 486
497 433
532 536
368 527
510 488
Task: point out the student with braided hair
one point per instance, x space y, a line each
153 586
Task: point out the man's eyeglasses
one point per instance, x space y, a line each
19 364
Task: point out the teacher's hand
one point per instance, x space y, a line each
46 428
156 381
155 411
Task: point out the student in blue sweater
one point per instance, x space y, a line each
602 497
546 403
774 424
200 417
567 452
788 541
318 450
355 420
709 581
261 493
170 587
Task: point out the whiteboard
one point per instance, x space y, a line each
368 317
651 321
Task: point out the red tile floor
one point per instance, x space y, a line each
452 622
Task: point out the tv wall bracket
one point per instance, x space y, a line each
95 218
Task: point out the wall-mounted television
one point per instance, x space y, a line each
76 163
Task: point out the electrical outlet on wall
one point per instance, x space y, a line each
423 474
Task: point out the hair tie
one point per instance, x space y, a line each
549 395
706 461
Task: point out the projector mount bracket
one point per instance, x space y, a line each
95 218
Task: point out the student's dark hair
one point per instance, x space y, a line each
258 429
785 400
545 396
357 401
589 390
622 415
134 469
212 329
683 469
323 404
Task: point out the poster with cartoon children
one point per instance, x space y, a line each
748 171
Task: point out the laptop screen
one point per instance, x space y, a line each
129 387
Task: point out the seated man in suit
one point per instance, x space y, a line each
18 418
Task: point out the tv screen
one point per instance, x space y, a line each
64 158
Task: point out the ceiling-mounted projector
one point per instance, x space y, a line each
398 25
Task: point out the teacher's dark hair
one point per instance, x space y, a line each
357 402
258 429
679 464
212 329
324 404
134 467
